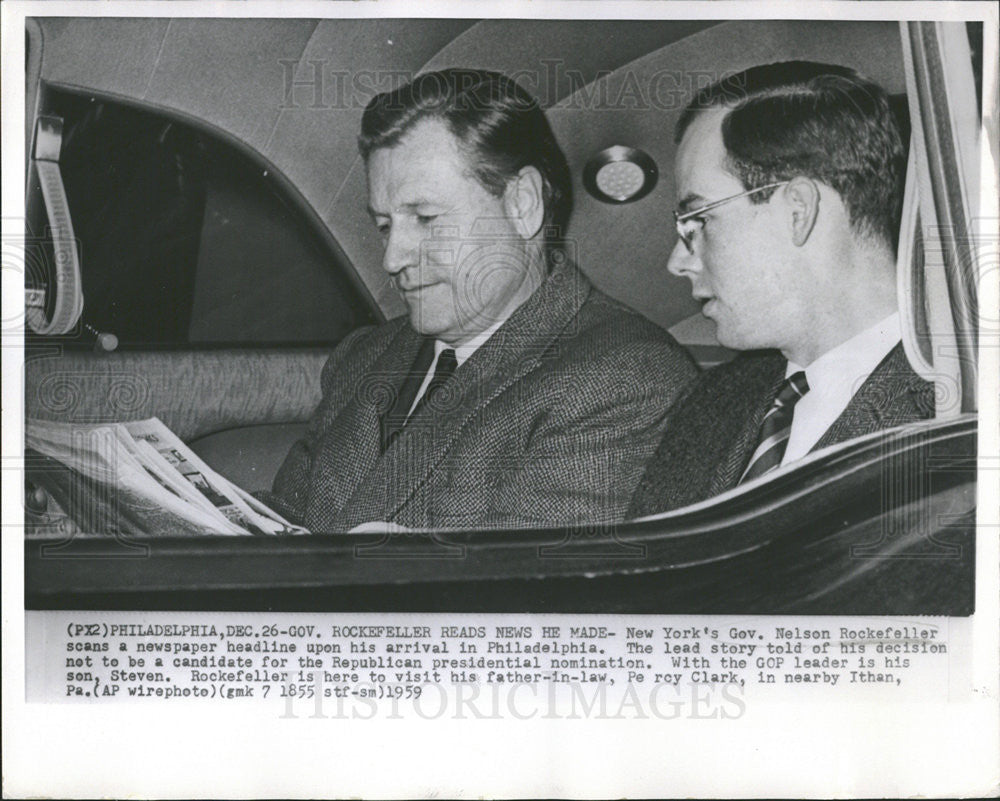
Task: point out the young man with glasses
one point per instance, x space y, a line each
789 178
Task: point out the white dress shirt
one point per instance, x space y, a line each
833 379
462 352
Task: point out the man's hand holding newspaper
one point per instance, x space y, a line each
140 478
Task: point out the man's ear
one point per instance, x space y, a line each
524 201
802 197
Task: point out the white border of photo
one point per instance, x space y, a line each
947 745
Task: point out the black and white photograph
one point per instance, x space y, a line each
498 347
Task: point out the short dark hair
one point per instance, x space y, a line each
499 125
821 121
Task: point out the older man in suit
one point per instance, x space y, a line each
513 393
789 181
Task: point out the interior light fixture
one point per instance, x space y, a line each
620 174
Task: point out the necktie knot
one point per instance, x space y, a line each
446 364
776 427
792 388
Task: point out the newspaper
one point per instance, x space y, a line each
164 485
153 687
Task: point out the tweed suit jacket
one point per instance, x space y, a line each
550 421
713 432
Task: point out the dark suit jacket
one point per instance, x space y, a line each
550 421
712 433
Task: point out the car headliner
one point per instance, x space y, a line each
602 82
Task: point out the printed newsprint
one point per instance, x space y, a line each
230 571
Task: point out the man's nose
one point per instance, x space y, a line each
402 250
681 260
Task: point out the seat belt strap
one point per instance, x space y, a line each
68 288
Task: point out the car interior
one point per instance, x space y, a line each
207 172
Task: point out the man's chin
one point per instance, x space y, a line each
428 325
735 340
449 330
727 337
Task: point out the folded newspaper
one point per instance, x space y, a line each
139 478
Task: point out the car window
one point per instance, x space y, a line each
185 240
209 206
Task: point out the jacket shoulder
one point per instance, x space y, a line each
359 349
909 395
611 325
891 396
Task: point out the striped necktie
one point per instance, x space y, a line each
776 427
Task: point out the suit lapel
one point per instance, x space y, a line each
511 353
890 396
366 397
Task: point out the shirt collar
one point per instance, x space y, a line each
853 359
464 351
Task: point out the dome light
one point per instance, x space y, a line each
620 174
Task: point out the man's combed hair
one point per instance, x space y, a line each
825 122
499 125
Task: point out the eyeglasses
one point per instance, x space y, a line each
689 223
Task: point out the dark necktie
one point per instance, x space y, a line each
393 422
776 427
446 364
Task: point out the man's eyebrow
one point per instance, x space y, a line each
413 204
